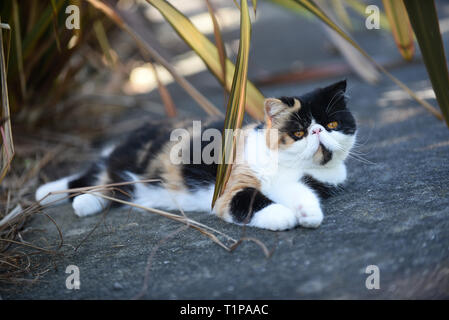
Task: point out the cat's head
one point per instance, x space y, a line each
316 128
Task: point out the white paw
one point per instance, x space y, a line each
88 204
42 193
309 217
274 217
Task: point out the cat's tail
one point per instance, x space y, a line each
44 194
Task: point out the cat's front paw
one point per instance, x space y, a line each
88 204
274 217
309 217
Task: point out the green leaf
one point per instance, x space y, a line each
39 29
401 28
208 52
236 104
424 20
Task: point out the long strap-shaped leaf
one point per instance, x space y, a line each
236 103
400 26
313 8
208 53
220 45
7 145
424 19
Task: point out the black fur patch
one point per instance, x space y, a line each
88 179
246 202
324 190
288 101
324 105
201 174
327 155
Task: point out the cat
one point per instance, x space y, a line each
294 169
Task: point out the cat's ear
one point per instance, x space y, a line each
335 93
337 87
276 109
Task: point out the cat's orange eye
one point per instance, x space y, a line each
332 125
299 134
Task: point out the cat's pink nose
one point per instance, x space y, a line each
316 131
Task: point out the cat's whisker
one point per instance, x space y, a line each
354 154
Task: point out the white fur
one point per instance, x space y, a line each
152 196
42 193
280 173
88 204
274 217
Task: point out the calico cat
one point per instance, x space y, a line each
301 163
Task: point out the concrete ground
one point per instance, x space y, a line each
392 214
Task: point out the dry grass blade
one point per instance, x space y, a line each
7 151
55 24
169 104
150 261
191 223
401 28
341 13
264 248
207 106
18 41
206 230
219 43
236 104
28 245
103 41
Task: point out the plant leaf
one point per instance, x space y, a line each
7 146
39 29
170 108
18 42
424 19
342 14
219 43
208 53
236 103
401 28
311 6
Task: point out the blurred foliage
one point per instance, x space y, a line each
41 49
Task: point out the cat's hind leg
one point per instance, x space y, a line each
83 204
89 203
43 193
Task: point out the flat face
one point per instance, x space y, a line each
315 125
